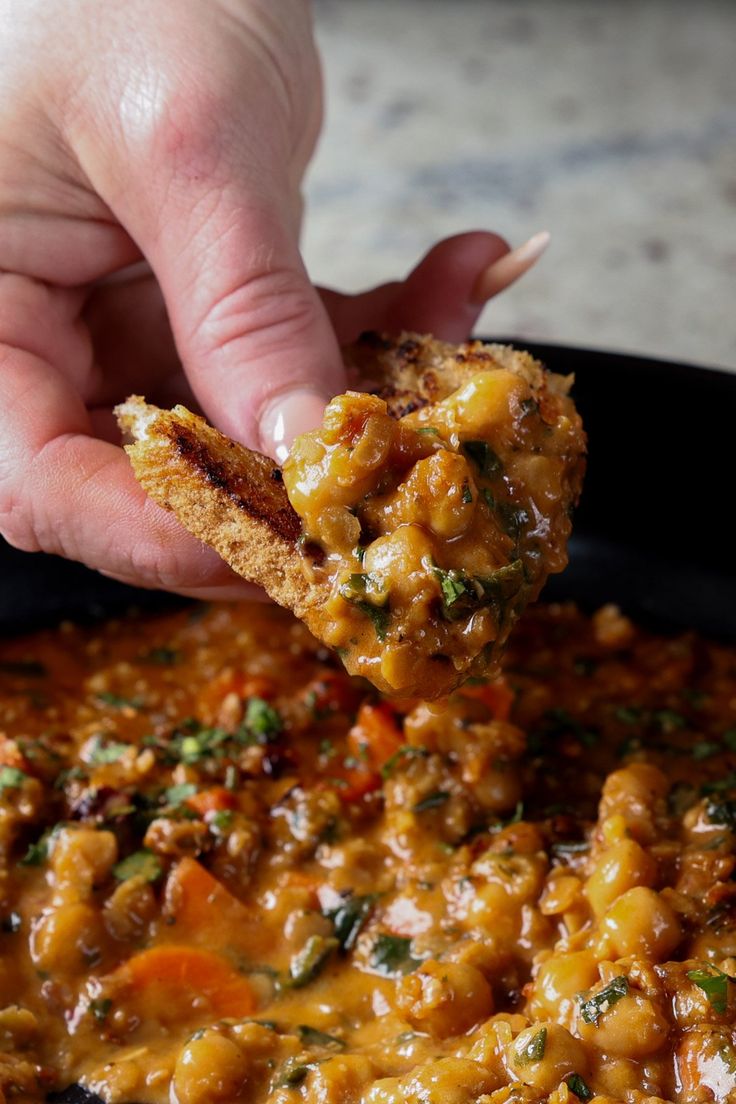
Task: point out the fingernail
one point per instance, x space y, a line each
286 416
505 271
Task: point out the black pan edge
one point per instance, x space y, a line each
651 531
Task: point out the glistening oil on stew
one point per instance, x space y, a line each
231 873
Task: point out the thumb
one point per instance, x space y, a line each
252 332
209 192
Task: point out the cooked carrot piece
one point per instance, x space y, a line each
376 735
215 800
199 905
164 977
497 696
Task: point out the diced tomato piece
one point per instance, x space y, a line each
214 800
497 696
376 735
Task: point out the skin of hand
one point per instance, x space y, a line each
151 159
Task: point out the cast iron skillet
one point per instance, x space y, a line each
650 532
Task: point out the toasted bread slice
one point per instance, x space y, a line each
226 495
235 500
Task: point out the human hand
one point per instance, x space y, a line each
175 133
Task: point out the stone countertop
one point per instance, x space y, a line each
613 125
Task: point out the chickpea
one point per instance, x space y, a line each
543 1055
559 981
396 556
636 792
80 859
483 404
439 493
621 867
633 1027
210 1067
341 1078
444 998
641 923
65 938
445 1081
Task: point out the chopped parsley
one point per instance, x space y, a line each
409 751
467 494
432 801
533 1050
485 459
100 1008
312 1037
144 863
706 749
293 1074
222 821
576 1084
378 615
175 795
592 1008
392 955
452 585
117 701
307 963
349 917
106 751
714 984
162 657
11 778
262 719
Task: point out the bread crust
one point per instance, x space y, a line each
233 498
228 496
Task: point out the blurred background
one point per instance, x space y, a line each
611 123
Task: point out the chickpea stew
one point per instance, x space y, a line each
231 872
435 522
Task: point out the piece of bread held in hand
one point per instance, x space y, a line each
412 529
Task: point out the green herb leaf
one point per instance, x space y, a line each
222 821
293 1074
106 751
140 862
162 657
714 984
380 617
720 785
483 456
705 750
307 963
576 1084
262 719
100 1008
452 585
669 721
392 955
117 701
312 1037
729 739
467 494
11 778
427 430
348 919
431 801
534 1050
592 1008
627 714
175 795
409 751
